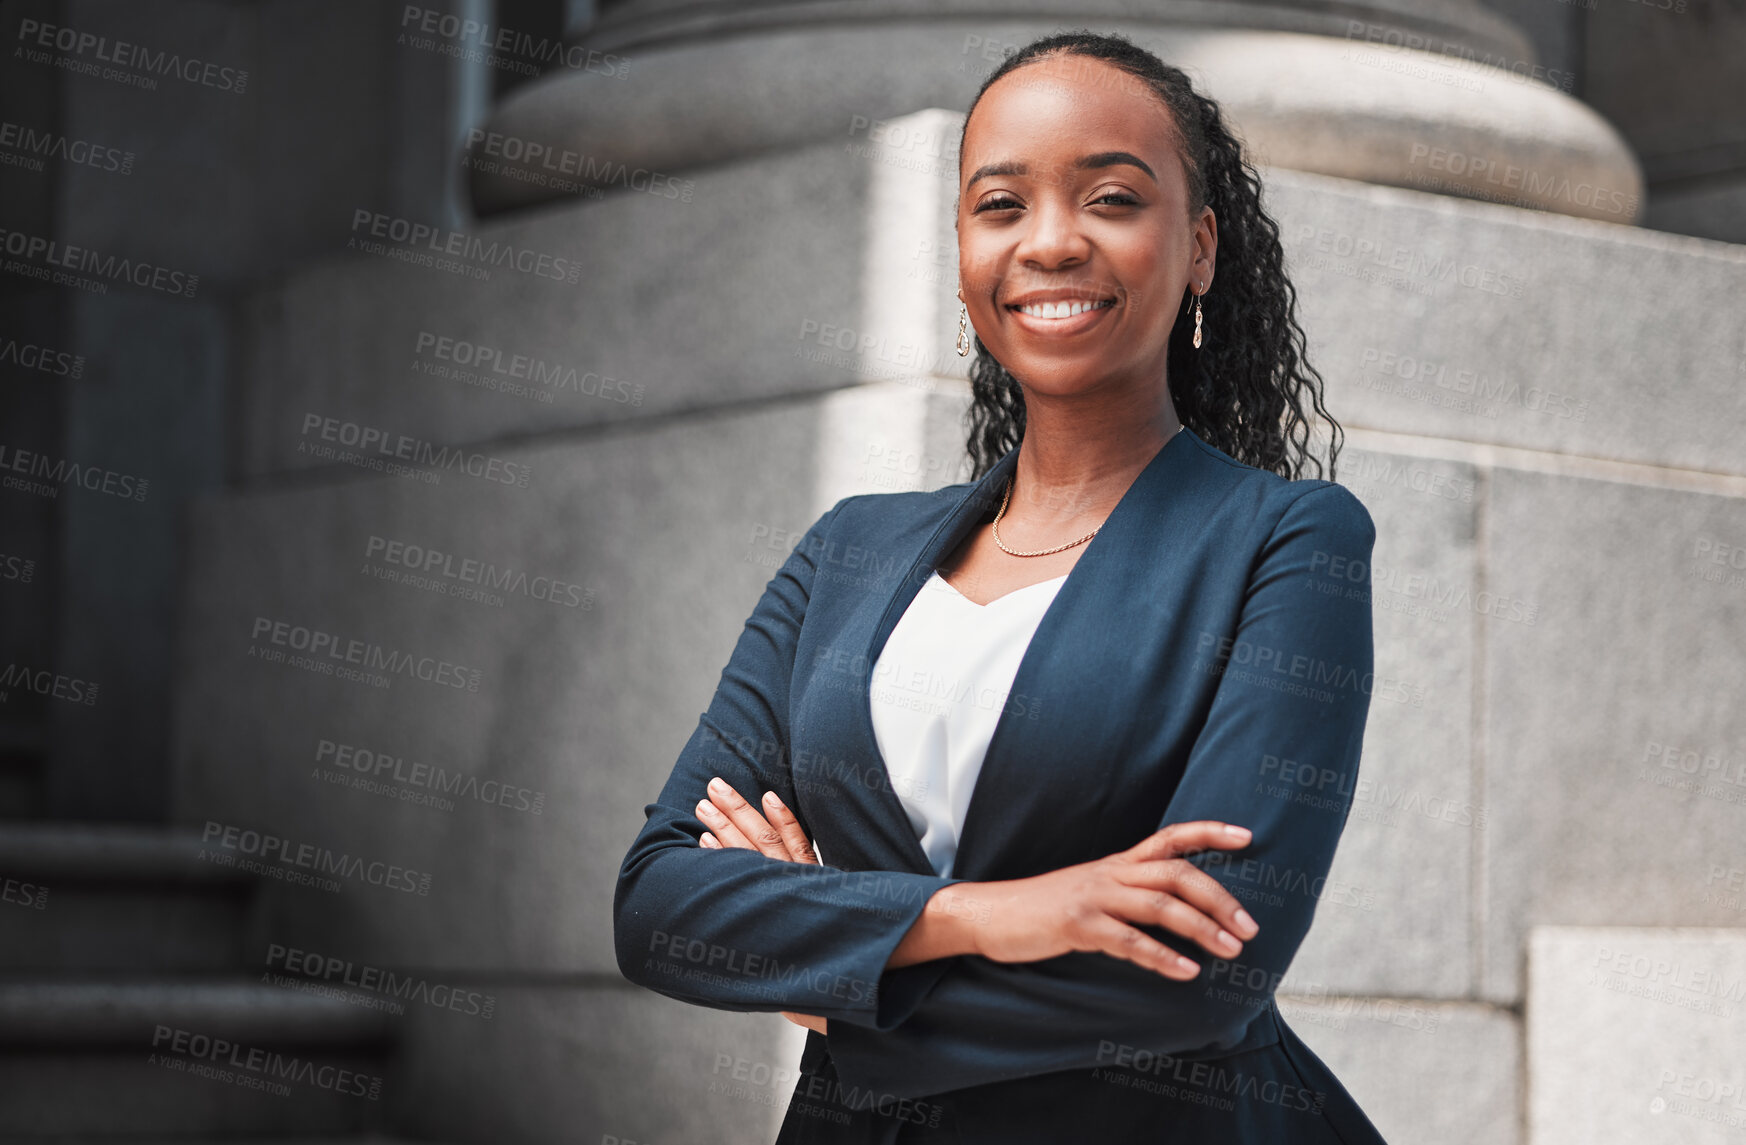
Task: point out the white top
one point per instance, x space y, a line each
937 691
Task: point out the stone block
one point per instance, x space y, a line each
1636 1035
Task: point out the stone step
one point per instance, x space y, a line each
94 897
45 1011
187 1058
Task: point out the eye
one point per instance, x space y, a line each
1003 203
1120 199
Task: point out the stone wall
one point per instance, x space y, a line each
1542 418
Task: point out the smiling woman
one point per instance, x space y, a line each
1159 211
1060 895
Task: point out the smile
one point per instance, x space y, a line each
1062 318
1059 310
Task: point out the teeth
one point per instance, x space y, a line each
1063 309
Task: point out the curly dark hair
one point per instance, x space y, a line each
1245 390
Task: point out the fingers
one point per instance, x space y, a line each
799 846
1119 940
1196 888
737 823
1178 839
1163 908
1206 894
726 832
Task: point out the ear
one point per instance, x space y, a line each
1206 247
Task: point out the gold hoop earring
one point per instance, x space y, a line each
963 330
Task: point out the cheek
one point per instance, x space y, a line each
1146 329
1150 271
1163 303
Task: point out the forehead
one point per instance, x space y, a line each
1067 103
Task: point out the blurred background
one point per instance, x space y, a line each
405 405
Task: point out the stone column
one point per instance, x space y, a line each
1438 96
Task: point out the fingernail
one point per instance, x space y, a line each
718 785
1188 965
708 841
1229 942
1242 833
770 798
1245 923
706 809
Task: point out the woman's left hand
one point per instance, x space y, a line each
737 823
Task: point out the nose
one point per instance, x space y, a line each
1052 236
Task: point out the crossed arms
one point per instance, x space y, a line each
735 929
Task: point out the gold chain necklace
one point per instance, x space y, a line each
1044 552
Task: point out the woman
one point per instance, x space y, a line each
1038 722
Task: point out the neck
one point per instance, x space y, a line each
1075 465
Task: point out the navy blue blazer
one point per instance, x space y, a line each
1209 650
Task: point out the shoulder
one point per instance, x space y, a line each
1273 507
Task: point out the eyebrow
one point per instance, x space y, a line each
1083 163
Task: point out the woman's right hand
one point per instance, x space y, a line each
1091 906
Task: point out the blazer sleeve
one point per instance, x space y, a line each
735 929
1295 685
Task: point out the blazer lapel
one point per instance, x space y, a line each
1037 739
959 523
